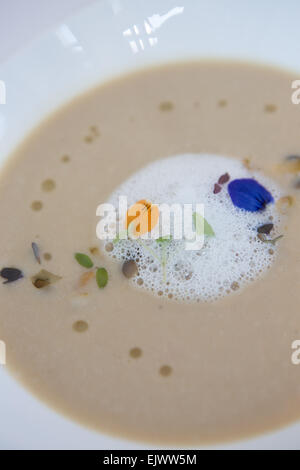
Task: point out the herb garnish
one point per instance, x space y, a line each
84 260
163 242
202 227
263 239
36 252
164 239
101 277
11 275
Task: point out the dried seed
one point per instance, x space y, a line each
224 179
266 228
36 252
40 283
217 188
44 278
11 274
129 268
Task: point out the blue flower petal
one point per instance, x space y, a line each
248 194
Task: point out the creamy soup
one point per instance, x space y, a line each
87 334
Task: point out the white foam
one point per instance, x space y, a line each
234 255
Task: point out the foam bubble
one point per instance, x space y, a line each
227 262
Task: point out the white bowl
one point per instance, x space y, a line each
103 40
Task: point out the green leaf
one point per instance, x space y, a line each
166 238
84 260
200 221
101 277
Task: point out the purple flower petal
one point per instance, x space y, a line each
248 194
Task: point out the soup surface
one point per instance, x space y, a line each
118 358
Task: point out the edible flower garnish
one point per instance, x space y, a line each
248 194
142 217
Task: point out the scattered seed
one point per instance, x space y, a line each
109 247
217 188
266 228
40 283
36 252
11 275
224 179
129 268
65 158
47 256
44 278
101 277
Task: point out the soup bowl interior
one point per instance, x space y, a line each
102 41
